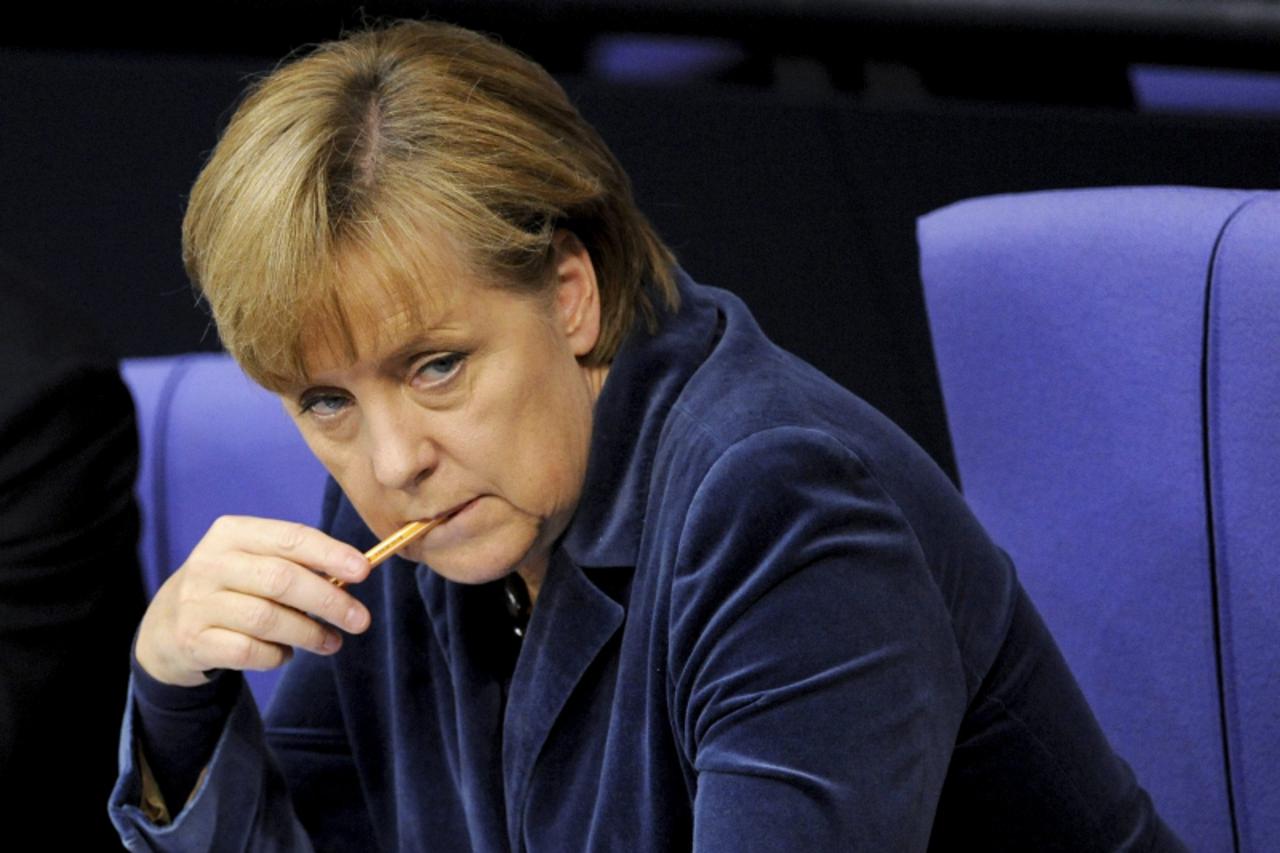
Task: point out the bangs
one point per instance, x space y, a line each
306 222
326 309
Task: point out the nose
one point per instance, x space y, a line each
401 450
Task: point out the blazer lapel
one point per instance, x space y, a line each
572 621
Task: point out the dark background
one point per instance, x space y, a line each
784 149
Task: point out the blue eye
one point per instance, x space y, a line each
439 368
322 405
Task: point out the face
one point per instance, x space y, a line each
483 410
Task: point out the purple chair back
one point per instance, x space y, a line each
213 444
1243 407
1104 359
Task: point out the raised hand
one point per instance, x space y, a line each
251 591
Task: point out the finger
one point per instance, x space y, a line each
295 542
219 648
271 622
279 580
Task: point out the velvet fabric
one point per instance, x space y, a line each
772 624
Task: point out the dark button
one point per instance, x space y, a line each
519 607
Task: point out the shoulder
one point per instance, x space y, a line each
68 441
43 335
63 390
771 476
753 416
792 506
768 476
799 589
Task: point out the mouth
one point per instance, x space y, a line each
409 534
444 530
449 514
442 519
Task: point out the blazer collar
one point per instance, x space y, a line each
645 379
572 623
576 617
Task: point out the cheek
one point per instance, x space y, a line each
335 457
530 445
350 469
555 444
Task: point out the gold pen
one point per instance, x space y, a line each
384 550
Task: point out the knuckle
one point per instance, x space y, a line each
190 643
331 602
204 566
240 655
260 617
222 524
292 536
315 636
187 645
184 595
275 655
276 579
187 632
195 564
195 574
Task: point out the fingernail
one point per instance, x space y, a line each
331 642
355 566
355 619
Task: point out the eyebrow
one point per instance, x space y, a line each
441 338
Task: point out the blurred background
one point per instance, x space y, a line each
784 149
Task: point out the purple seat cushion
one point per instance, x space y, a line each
1244 440
1068 328
213 444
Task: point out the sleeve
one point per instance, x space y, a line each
70 586
815 677
309 741
242 803
177 729
285 788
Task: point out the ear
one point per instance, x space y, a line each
577 294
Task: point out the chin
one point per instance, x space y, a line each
476 564
484 543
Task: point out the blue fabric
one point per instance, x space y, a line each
1069 333
190 716
213 443
772 624
1243 389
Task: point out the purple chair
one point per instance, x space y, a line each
1108 359
213 444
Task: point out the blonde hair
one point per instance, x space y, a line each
368 146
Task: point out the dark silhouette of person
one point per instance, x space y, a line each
70 587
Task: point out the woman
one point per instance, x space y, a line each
688 592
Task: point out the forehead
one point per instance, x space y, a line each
376 307
386 314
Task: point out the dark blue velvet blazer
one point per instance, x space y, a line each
772 624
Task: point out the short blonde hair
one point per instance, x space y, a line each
367 144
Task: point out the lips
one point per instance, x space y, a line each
448 515
442 517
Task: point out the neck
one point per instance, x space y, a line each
532 582
532 575
595 377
